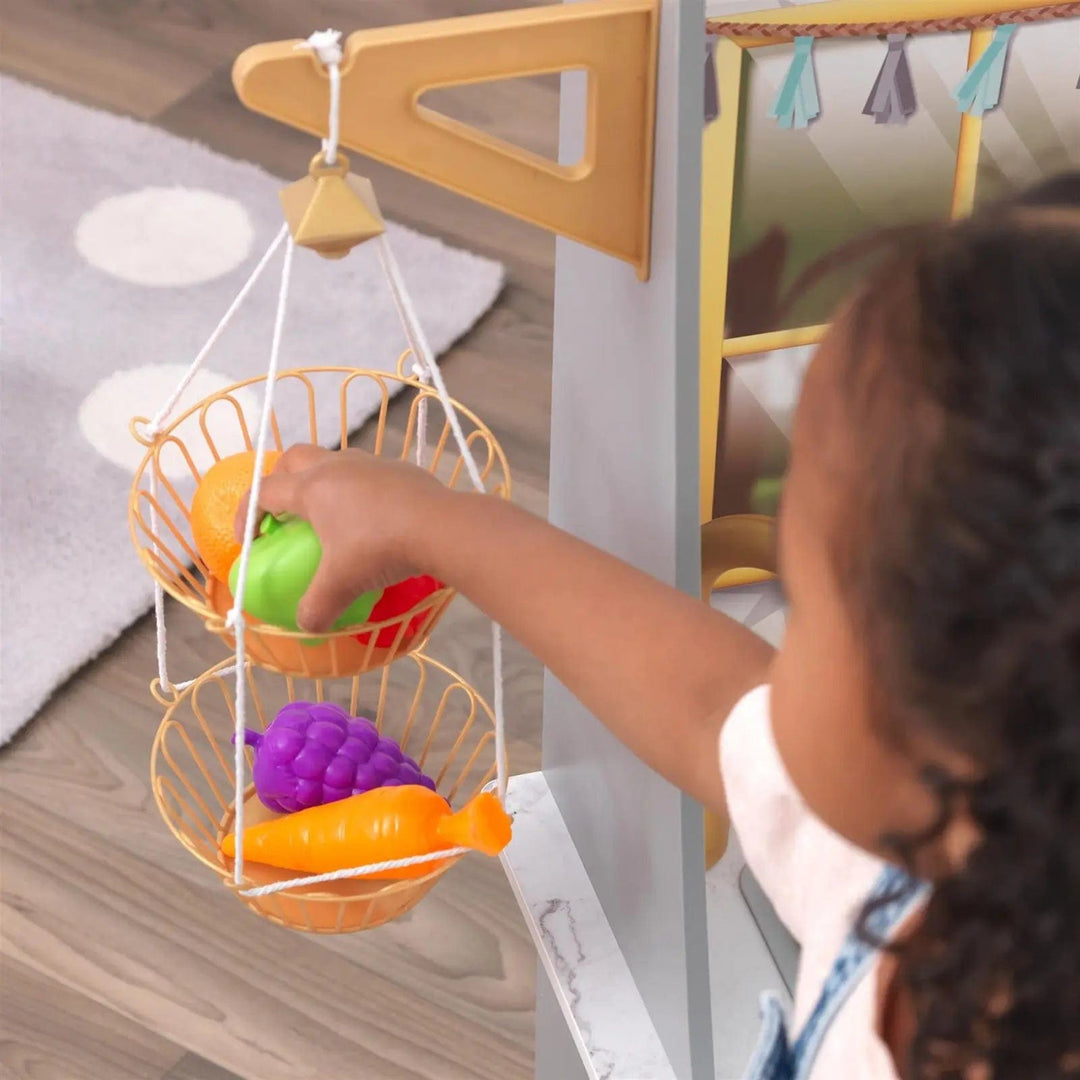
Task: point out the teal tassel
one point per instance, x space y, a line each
797 102
980 89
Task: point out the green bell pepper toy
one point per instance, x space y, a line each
283 561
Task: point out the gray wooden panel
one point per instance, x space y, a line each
624 451
557 1056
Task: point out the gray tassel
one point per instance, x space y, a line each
892 100
712 91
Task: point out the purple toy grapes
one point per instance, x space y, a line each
314 753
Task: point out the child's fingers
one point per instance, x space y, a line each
279 493
299 457
240 521
282 493
328 595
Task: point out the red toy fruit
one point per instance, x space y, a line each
397 600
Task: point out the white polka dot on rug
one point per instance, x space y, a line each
106 412
165 236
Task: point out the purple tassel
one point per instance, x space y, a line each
892 99
712 91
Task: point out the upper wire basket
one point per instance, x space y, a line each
217 426
429 710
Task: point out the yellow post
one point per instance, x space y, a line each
717 194
970 140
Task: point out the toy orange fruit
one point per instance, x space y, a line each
213 509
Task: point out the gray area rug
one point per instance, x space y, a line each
122 246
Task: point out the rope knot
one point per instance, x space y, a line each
234 619
326 44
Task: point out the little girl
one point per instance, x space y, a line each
904 773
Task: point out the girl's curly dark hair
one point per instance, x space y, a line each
962 385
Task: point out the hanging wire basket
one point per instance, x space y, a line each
216 427
429 710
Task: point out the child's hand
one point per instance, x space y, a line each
367 512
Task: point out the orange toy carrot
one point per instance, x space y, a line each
386 823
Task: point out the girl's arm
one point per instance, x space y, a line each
659 668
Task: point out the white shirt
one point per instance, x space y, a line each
816 880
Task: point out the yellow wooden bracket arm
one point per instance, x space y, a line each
604 200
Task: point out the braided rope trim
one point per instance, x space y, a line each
780 32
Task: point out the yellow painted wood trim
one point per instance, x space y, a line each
970 141
717 830
605 200
719 144
740 545
744 575
751 344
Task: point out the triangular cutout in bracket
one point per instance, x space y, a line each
603 201
521 113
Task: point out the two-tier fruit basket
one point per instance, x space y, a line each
377 670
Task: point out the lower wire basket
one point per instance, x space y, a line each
434 715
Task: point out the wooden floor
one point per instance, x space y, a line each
122 958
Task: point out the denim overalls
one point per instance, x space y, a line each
775 1057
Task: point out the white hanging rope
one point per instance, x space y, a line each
153 429
357 871
414 332
421 414
235 618
164 685
497 706
326 44
230 670
159 593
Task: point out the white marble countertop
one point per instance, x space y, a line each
603 1009
600 1002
